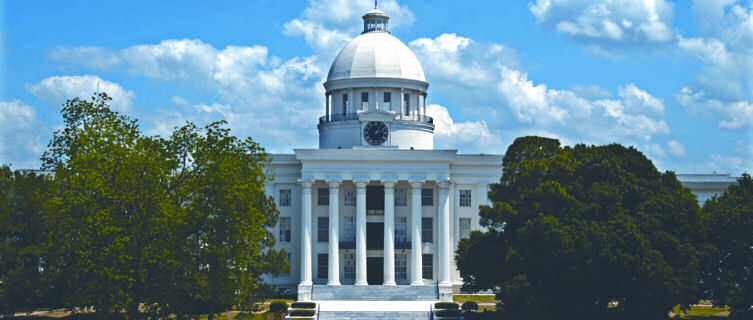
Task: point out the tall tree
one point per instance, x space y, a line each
592 231
23 241
728 274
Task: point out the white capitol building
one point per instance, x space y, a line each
376 206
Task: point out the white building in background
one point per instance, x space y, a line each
376 204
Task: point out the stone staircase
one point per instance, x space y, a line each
374 293
374 302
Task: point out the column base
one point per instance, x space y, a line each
304 291
417 283
333 283
361 283
445 292
389 283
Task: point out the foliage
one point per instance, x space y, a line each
727 277
304 305
469 306
448 313
177 226
275 306
446 305
23 240
593 231
301 313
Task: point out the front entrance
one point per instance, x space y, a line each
374 236
375 270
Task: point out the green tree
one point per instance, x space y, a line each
175 225
23 241
588 232
728 274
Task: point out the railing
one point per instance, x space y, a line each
351 244
348 244
354 116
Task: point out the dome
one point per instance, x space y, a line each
376 55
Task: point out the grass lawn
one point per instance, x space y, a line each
475 298
701 312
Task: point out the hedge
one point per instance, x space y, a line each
447 313
446 305
278 305
303 305
301 313
469 306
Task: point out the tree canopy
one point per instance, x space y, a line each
592 231
175 225
728 275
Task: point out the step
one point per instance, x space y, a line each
349 309
374 293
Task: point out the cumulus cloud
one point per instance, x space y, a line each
20 141
259 89
723 90
327 25
56 90
610 24
469 136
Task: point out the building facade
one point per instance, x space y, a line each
375 204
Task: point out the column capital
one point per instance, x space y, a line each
334 184
306 183
416 185
444 184
389 185
360 185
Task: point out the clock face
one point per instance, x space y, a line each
375 133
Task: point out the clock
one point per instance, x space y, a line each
375 133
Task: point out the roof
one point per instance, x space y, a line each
376 55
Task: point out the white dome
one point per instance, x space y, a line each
376 55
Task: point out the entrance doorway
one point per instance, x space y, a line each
375 200
375 270
375 236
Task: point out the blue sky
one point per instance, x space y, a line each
673 78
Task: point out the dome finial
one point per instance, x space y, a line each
375 20
375 5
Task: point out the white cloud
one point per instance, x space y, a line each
20 141
56 90
609 24
676 149
327 25
656 150
470 136
591 92
726 115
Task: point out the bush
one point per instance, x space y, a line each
303 305
469 306
301 313
447 313
278 305
446 305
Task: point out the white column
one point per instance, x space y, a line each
376 98
361 233
327 111
334 244
402 102
389 233
424 104
416 265
306 233
444 233
351 102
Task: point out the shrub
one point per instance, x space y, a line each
447 313
469 306
303 305
278 305
301 313
445 305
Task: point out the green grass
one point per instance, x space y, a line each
701 312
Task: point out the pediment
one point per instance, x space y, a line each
376 115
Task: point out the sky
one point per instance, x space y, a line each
672 78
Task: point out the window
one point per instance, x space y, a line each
427 265
285 229
350 197
406 99
323 229
349 263
401 267
322 266
427 197
364 100
322 197
345 104
465 228
427 230
349 229
465 198
284 197
401 198
387 101
401 229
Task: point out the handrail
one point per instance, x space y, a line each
354 116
